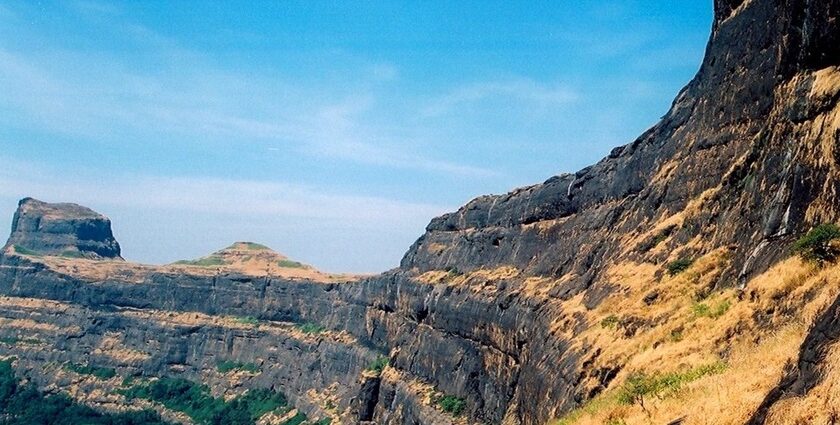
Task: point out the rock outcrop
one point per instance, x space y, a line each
670 253
62 229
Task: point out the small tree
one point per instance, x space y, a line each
678 266
818 245
634 390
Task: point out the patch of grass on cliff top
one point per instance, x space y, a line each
195 401
289 264
209 261
226 366
249 245
103 373
24 404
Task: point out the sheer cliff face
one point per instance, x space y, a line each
749 144
527 305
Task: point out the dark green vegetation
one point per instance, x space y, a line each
297 419
25 251
23 404
226 366
209 261
450 404
378 365
311 328
195 401
818 245
98 372
289 264
678 266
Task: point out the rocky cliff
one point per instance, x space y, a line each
61 229
654 286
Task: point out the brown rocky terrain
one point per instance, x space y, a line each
656 286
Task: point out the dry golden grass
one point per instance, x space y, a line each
819 406
111 345
757 333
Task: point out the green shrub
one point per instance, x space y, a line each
247 320
452 273
450 404
103 373
816 246
311 328
378 365
26 251
610 321
678 266
226 366
640 385
704 310
676 335
289 264
72 254
23 404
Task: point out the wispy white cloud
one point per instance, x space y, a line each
246 199
534 93
204 104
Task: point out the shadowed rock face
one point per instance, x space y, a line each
62 229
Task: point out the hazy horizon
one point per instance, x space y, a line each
330 132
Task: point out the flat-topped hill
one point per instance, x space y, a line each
62 229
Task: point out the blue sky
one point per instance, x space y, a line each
331 131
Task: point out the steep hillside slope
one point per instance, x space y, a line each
656 286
